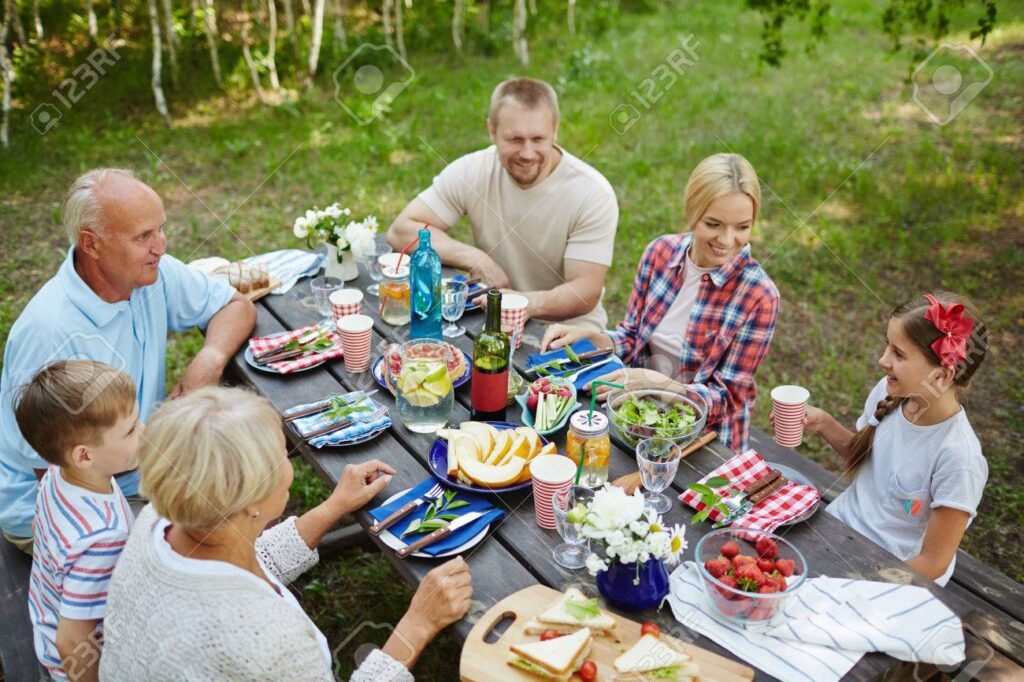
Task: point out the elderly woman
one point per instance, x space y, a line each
702 312
200 591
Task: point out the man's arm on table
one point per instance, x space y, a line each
452 252
580 293
227 331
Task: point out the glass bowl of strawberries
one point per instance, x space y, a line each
748 575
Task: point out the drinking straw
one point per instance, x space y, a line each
579 466
405 250
593 395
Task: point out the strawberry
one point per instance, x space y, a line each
785 566
768 588
730 550
766 565
733 608
750 577
717 567
761 612
779 580
741 560
766 547
729 580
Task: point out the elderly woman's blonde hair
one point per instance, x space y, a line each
81 209
715 177
210 454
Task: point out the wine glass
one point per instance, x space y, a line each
368 257
658 459
322 288
453 304
566 505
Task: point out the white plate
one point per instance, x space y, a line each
795 476
270 370
394 542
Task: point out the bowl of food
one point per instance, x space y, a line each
637 414
749 575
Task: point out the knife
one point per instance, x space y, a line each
440 533
586 355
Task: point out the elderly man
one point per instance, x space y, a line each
113 300
543 220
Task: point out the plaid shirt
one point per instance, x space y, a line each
730 329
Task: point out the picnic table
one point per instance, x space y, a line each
517 553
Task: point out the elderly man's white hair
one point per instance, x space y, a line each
81 207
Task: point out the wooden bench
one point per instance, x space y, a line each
17 653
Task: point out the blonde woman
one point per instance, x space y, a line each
702 312
200 590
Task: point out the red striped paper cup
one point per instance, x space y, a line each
550 474
789 407
346 302
356 336
513 312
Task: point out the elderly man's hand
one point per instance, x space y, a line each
205 369
490 273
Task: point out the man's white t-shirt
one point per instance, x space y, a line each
911 470
666 341
570 215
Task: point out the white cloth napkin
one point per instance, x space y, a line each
288 266
827 626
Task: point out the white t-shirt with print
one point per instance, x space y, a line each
911 470
666 341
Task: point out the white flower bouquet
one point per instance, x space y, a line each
332 226
629 533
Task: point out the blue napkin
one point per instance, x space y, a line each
457 538
359 431
581 346
474 290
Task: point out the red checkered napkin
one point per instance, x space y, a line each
263 344
786 504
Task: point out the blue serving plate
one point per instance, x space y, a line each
438 459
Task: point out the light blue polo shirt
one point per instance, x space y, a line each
67 320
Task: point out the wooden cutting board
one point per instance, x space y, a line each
483 662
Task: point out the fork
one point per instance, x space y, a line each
345 423
403 511
326 404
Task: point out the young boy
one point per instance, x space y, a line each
82 418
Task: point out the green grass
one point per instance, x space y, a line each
908 207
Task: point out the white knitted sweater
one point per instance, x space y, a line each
164 624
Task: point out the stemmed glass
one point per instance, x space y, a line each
570 554
368 257
658 459
322 288
453 304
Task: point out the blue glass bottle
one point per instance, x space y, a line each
425 282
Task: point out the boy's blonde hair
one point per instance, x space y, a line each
208 455
72 402
715 177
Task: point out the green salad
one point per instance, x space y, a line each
646 417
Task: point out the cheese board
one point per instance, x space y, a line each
484 661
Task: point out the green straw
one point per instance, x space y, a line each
593 395
579 467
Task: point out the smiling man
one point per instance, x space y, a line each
113 300
543 220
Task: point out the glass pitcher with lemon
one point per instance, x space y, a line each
417 373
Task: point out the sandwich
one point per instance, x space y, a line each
652 659
571 612
554 659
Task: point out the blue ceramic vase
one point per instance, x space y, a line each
620 587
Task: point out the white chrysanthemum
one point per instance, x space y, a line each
614 509
301 228
370 223
596 564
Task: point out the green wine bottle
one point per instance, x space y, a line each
491 355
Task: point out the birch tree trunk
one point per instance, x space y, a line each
158 90
13 20
275 84
340 35
5 66
533 8
254 71
210 25
172 39
306 8
314 43
194 4
519 33
36 20
94 30
571 17
458 24
386 10
399 30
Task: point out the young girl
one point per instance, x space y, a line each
917 468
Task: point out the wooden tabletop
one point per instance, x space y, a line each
517 554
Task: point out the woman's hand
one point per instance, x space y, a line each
441 599
559 335
631 378
358 484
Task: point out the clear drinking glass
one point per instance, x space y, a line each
368 257
571 553
453 304
658 460
322 288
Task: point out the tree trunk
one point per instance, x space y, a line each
533 8
194 5
13 20
210 25
458 25
272 48
172 39
289 23
94 30
485 16
519 33
571 17
158 90
306 8
340 35
399 29
314 43
386 10
5 66
36 20
254 71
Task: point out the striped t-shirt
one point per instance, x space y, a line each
77 538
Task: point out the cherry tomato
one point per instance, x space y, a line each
650 628
587 671
549 634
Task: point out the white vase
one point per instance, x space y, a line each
346 270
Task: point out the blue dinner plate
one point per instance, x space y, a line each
439 464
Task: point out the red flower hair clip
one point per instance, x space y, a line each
951 347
